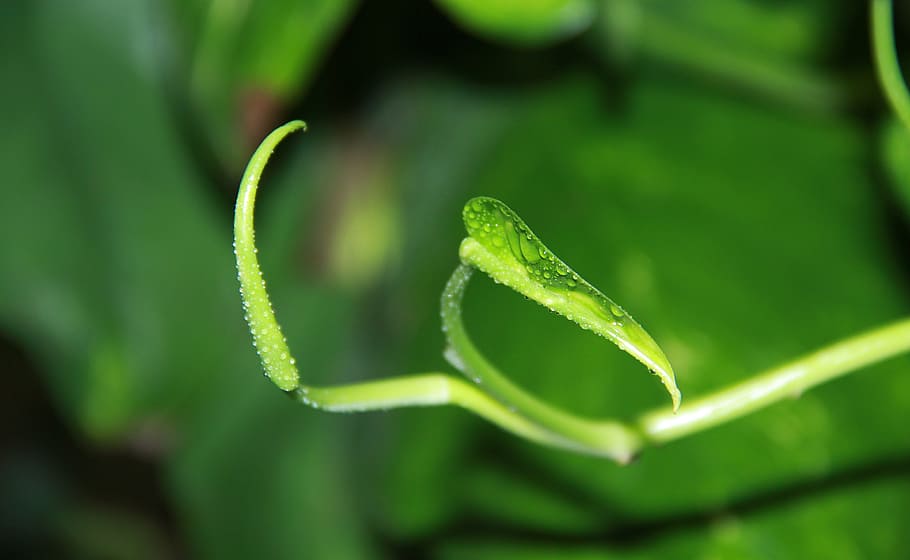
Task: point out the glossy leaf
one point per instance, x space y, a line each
504 247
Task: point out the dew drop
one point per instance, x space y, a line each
528 249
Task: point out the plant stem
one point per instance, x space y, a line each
606 438
889 70
623 441
786 381
428 389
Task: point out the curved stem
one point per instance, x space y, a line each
889 70
623 441
607 438
429 389
786 381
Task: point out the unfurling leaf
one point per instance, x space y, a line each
503 246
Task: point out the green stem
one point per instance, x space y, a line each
430 389
889 70
606 438
623 441
786 381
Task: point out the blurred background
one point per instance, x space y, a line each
726 170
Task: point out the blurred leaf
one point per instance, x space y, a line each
249 59
260 475
124 291
119 277
534 22
98 532
776 29
772 50
894 147
122 286
804 527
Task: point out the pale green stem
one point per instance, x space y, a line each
889 70
607 438
622 441
428 389
786 381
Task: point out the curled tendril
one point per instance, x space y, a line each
267 336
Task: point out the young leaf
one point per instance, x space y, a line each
503 246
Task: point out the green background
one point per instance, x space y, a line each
726 170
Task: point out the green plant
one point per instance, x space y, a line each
501 245
727 171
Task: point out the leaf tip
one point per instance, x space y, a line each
477 211
294 126
664 371
675 395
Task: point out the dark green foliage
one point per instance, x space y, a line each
718 169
